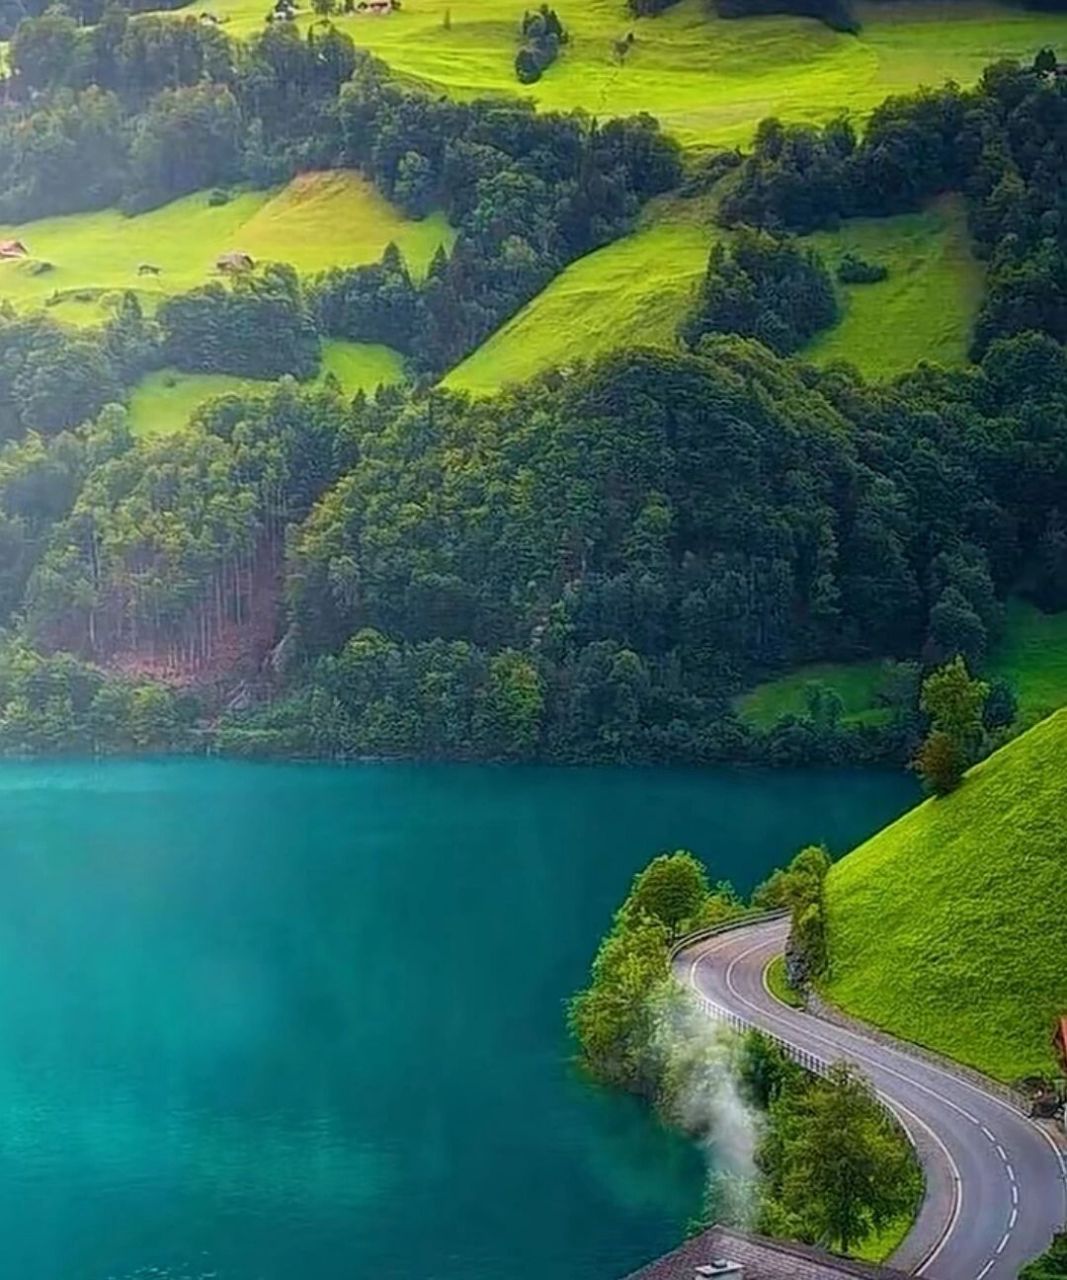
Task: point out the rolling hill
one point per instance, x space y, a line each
318 220
948 927
709 80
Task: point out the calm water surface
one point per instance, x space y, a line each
305 1023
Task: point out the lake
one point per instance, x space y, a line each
302 1022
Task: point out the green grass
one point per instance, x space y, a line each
318 220
640 288
856 684
633 291
778 985
924 310
707 79
163 401
881 1245
948 928
1032 656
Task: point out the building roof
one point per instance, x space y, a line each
760 1259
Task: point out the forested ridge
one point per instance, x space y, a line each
588 567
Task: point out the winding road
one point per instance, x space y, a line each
996 1182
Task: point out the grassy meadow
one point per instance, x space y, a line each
924 310
947 927
163 401
708 79
317 221
1031 655
855 683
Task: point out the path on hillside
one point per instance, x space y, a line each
995 1182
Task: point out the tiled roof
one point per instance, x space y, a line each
760 1258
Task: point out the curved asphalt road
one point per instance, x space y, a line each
996 1183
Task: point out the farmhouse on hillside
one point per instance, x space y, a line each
235 260
13 249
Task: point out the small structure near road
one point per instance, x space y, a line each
13 249
738 1255
234 261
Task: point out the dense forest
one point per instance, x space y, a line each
588 567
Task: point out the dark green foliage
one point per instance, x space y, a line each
671 889
852 269
51 378
835 1167
1052 1265
799 889
377 303
529 193
764 1071
764 287
152 542
955 704
542 35
257 325
58 704
648 8
734 514
836 14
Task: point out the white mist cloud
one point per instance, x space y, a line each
699 1070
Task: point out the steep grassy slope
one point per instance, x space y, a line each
948 928
633 291
638 290
317 220
163 401
707 79
926 308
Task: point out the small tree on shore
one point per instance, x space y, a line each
955 702
671 889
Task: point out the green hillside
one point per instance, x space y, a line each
709 80
163 401
318 220
948 928
1031 655
926 307
634 291
639 289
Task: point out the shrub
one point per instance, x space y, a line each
852 269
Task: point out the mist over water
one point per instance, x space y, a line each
262 1022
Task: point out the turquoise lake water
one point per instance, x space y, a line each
306 1023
